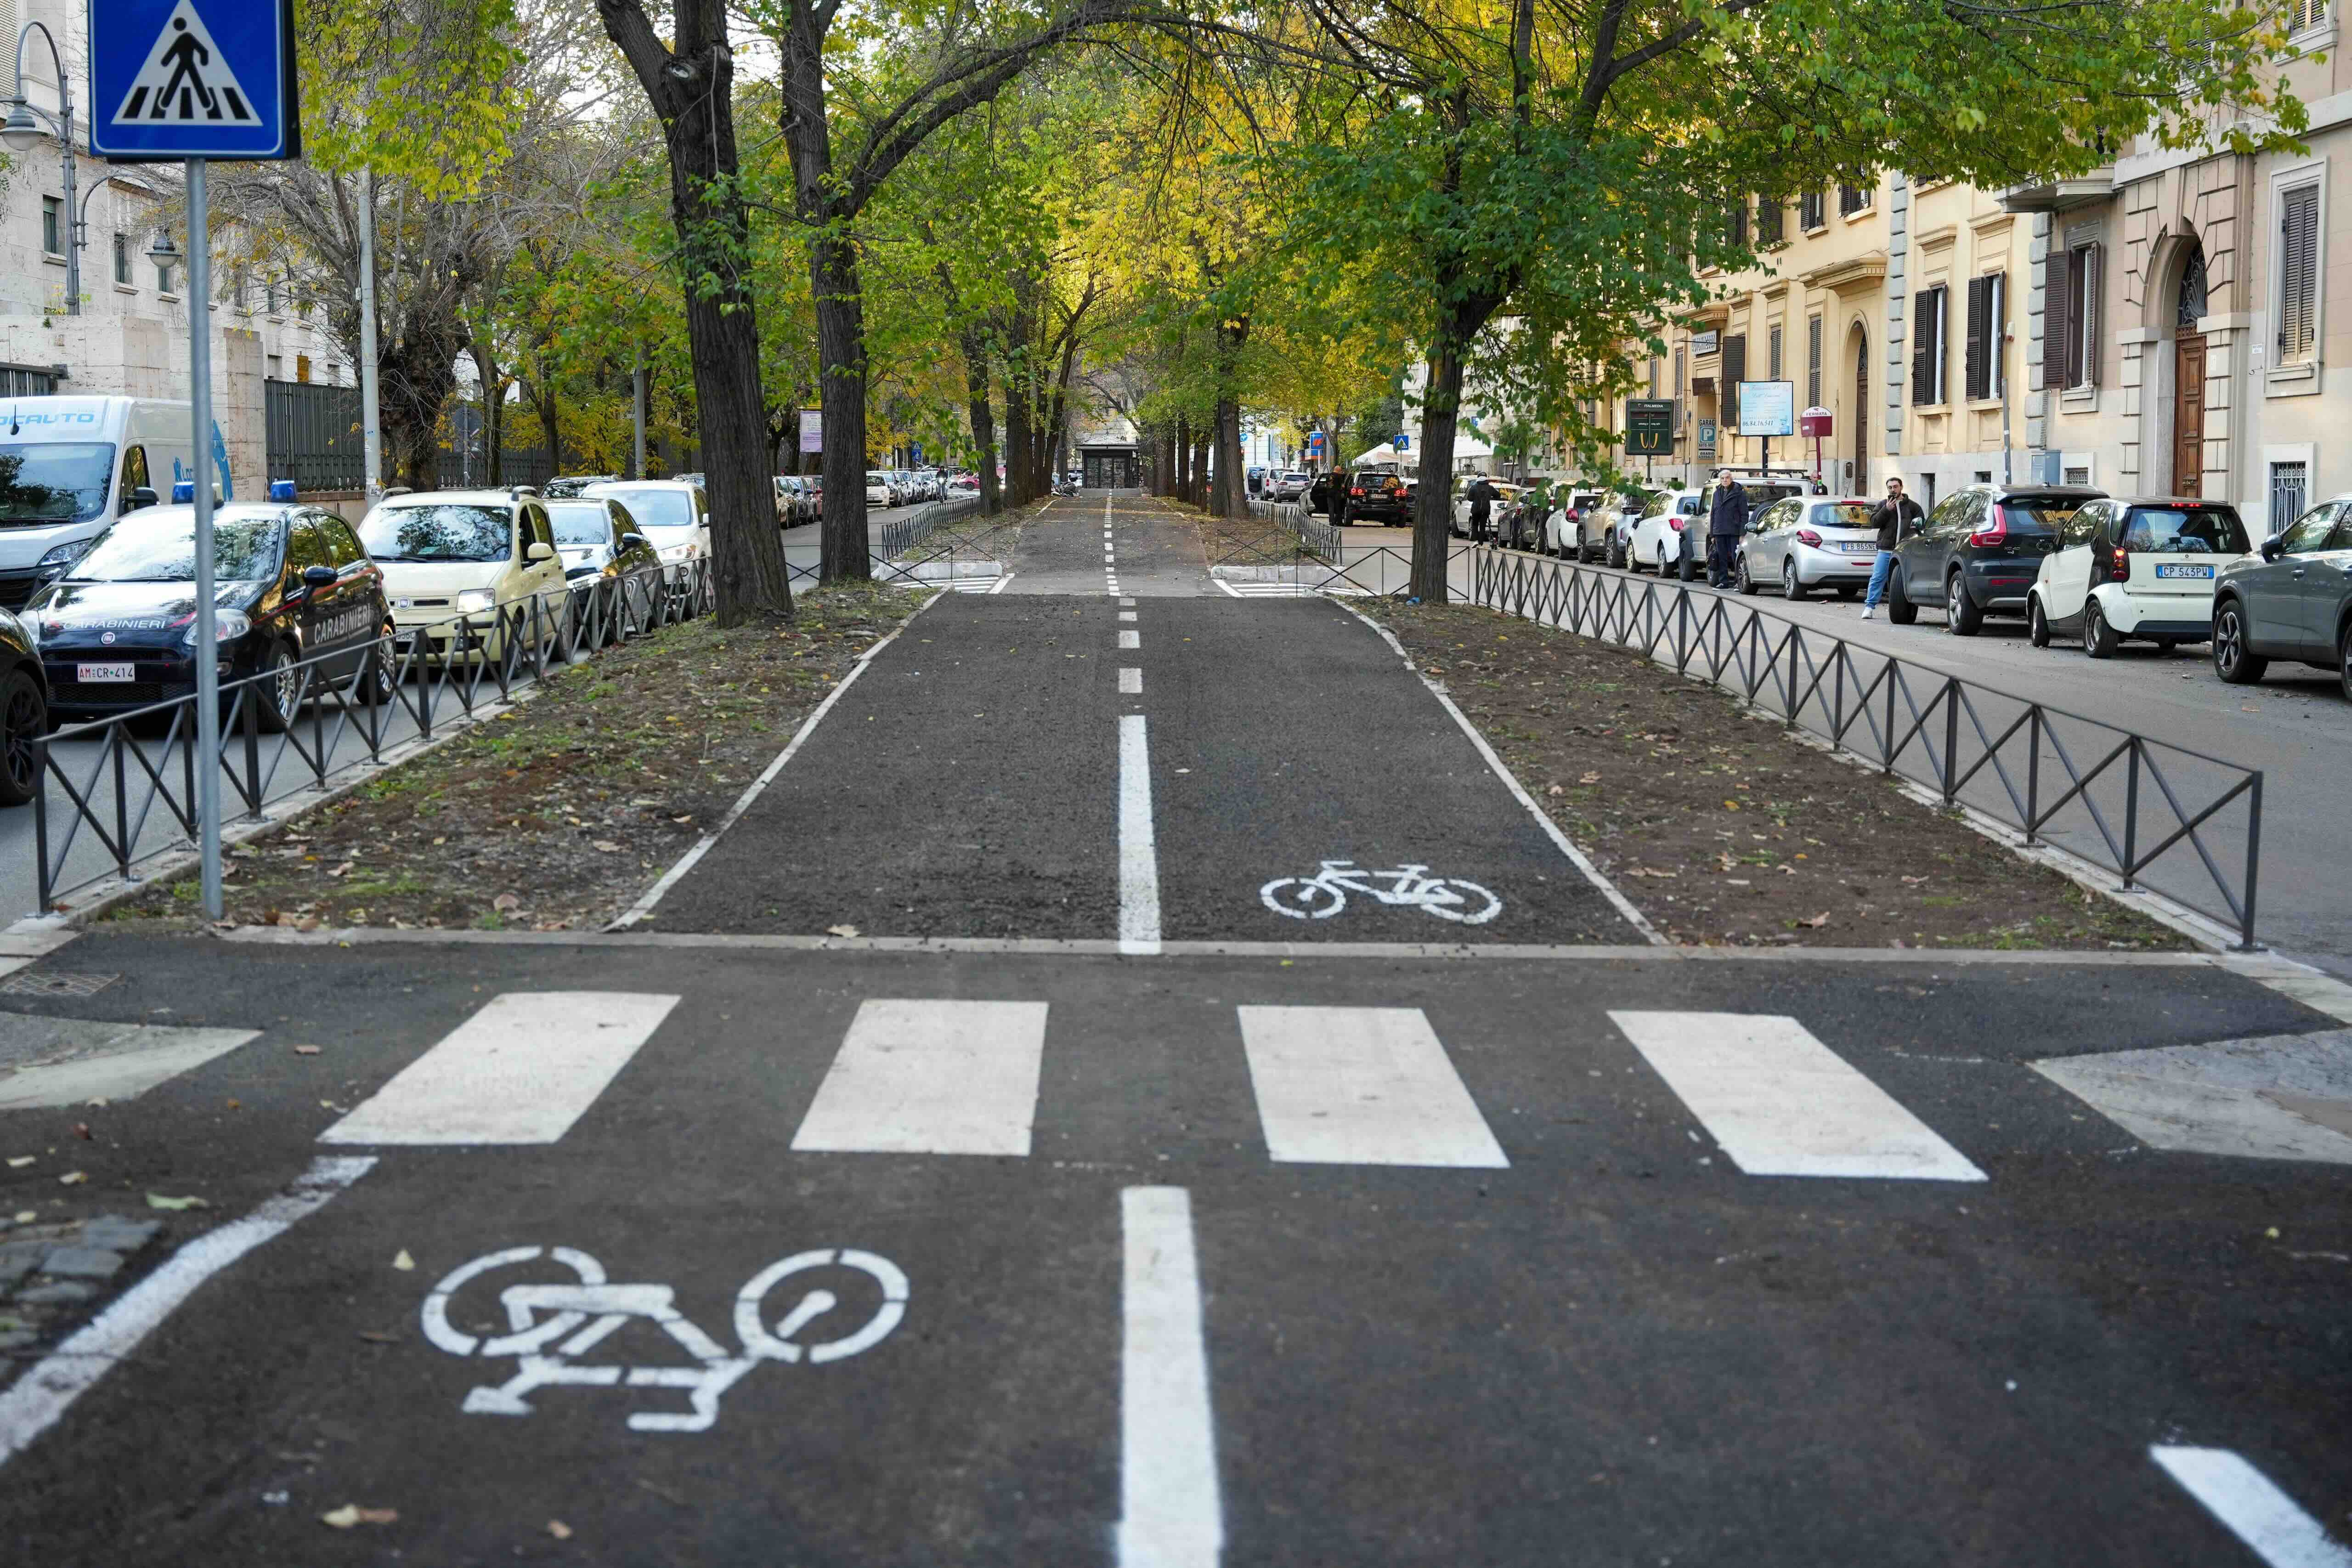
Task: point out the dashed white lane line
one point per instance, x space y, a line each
1169 1512
1138 856
34 1402
1783 1104
1131 640
2254 1510
1126 615
1361 1085
1130 682
1127 603
520 1071
931 1078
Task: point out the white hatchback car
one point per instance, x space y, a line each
672 514
877 490
2139 570
1803 542
452 553
1655 537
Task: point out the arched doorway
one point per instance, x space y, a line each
2188 308
1859 417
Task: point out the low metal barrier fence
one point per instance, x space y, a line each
299 725
2182 823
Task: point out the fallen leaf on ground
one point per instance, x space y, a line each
21 1160
1589 778
1913 881
1817 921
309 922
403 1262
506 901
158 1201
379 1337
1555 790
841 931
306 1050
339 870
72 1179
558 1528
608 847
81 1130
26 1216
351 1513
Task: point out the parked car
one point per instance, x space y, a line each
290 583
1803 542
1326 487
877 489
568 485
2292 601
1563 529
1290 486
673 514
1613 529
447 554
24 711
1518 523
1655 539
1980 552
1379 495
74 465
1459 511
2135 571
599 543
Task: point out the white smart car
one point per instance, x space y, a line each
2137 570
482 554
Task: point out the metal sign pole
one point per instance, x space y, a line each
371 422
207 649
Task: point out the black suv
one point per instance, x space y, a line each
1379 495
1980 552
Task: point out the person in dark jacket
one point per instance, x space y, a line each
1896 516
1481 496
1726 522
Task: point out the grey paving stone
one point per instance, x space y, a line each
19 1259
117 1234
82 1262
16 1339
59 1294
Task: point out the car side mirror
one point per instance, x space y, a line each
141 497
318 577
539 551
2271 546
631 540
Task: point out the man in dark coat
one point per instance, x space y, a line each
1726 522
1481 496
1896 518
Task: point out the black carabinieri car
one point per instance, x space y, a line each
117 630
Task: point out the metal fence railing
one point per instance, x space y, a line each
125 786
2181 823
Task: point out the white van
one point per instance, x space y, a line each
70 466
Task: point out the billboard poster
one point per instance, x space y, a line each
811 429
1768 408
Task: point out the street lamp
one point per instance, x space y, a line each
22 132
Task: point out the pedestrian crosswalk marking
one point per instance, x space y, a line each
1360 1086
930 1078
185 80
1783 1104
521 1071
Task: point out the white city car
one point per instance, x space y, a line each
2139 570
485 555
877 490
672 514
1803 543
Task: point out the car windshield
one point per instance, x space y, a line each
2185 530
442 531
1844 514
656 509
161 547
53 481
581 522
2046 514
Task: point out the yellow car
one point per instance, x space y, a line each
484 555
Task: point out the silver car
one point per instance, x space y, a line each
1803 542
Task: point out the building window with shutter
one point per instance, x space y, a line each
1813 362
1653 375
1682 376
2305 15
1928 345
1772 355
1986 373
1812 211
1852 199
1734 371
2070 331
2297 311
1736 228
122 259
53 225
1771 220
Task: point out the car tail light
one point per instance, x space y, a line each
1357 492
1995 532
1676 523
2119 566
1807 536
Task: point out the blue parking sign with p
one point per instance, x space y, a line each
192 78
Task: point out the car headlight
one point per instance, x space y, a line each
474 601
64 555
227 626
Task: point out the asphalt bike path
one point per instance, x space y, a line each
1146 1310
1109 542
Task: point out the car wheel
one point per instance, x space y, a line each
1961 617
2343 663
1746 583
277 695
2037 625
2233 661
1900 610
1791 589
2099 639
380 676
24 720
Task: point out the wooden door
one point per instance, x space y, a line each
2189 415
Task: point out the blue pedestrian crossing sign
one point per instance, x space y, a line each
180 79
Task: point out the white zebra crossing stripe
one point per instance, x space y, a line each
521 1071
2243 1499
930 1078
1170 1516
1783 1104
1360 1086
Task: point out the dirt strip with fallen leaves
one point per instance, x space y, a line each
1723 828
558 813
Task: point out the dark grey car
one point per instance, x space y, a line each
1980 552
2294 602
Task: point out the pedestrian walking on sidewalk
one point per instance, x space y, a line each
1896 516
1481 496
1726 522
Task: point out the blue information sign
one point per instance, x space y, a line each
192 78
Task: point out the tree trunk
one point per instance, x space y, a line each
1230 480
690 86
983 420
1183 466
841 393
551 425
1440 410
1202 478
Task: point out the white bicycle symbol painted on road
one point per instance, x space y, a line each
1324 894
581 1315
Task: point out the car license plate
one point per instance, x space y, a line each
2183 569
1865 548
88 674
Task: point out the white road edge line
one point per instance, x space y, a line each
1003 578
36 1400
751 791
1169 1512
1138 856
1231 592
2252 1507
1608 889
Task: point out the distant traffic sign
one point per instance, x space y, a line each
1404 441
168 81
